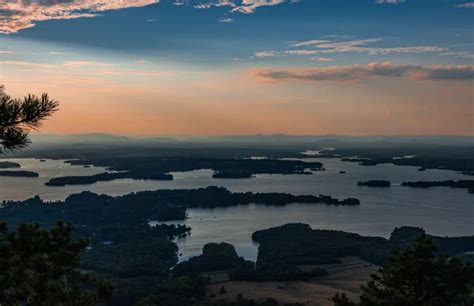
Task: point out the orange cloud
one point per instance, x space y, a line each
377 69
16 15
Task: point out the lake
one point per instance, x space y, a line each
441 210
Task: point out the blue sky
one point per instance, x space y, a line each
184 33
135 42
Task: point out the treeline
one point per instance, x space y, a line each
141 271
300 243
223 257
294 252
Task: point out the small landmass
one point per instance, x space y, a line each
375 183
8 165
464 184
19 173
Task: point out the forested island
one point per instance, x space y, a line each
159 168
161 205
449 157
375 183
7 165
361 161
463 184
19 173
107 176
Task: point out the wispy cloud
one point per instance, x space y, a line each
314 42
28 64
461 5
460 54
214 3
16 15
84 68
318 48
389 1
226 20
356 46
322 59
249 6
357 73
241 6
67 65
465 5
74 64
6 52
267 54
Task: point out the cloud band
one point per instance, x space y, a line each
357 73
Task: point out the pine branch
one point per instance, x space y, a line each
18 116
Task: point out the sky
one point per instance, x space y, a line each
227 67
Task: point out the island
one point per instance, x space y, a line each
19 173
448 157
361 161
106 176
463 184
160 205
7 165
233 174
375 183
160 168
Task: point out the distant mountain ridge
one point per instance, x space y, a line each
98 138
104 138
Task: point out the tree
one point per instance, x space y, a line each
41 268
416 276
18 116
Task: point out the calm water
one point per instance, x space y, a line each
441 211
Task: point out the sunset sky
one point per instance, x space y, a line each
213 67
